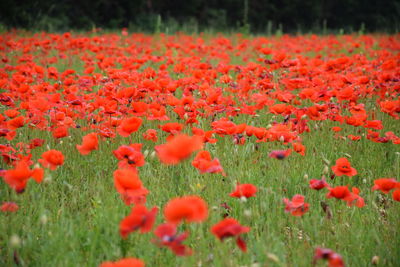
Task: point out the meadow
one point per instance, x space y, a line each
199 150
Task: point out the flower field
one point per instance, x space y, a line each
123 149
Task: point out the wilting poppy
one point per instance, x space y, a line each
90 142
178 148
52 159
139 218
343 167
244 190
297 206
127 262
188 208
167 236
229 227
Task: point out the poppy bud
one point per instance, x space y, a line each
43 219
326 170
15 241
247 213
375 260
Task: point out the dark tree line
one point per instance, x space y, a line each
199 15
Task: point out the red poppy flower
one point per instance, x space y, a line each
17 178
15 123
90 142
396 195
127 262
343 193
167 236
299 148
52 159
229 227
205 164
60 132
36 142
178 148
244 190
188 208
343 167
129 126
9 207
334 259
280 154
297 207
385 184
318 184
130 187
129 156
339 192
139 218
355 199
150 135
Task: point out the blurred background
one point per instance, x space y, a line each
248 16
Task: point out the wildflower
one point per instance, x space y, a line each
188 208
52 159
9 207
297 207
178 148
90 142
334 259
280 154
229 227
128 126
127 262
139 218
244 190
343 167
130 187
167 236
385 185
318 184
205 164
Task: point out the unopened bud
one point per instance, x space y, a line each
43 219
15 241
247 213
375 260
326 170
